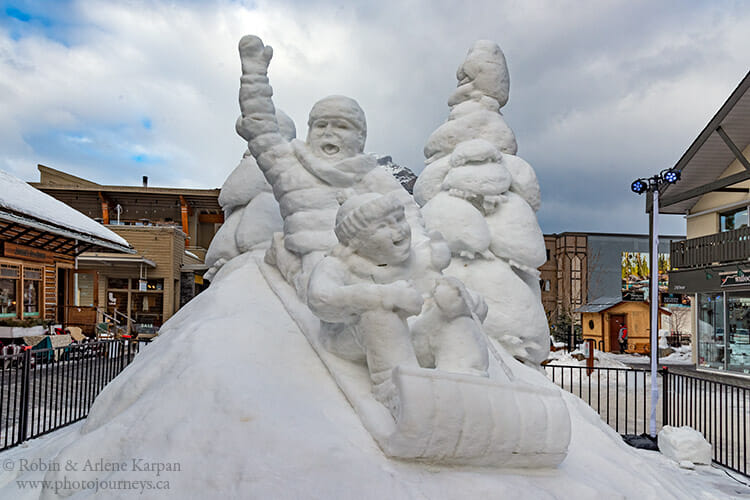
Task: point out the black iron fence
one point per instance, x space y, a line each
716 409
42 390
622 397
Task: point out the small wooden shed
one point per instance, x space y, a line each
602 318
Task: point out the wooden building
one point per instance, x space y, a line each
42 240
170 229
602 318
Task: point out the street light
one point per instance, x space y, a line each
651 185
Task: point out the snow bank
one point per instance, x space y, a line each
233 393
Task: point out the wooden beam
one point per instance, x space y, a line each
184 209
733 147
667 200
105 208
214 218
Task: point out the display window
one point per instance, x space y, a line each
738 332
141 299
9 283
32 292
21 291
711 342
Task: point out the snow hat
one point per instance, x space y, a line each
338 106
358 212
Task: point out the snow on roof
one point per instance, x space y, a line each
17 196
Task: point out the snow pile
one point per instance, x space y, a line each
684 444
255 414
681 355
575 358
18 196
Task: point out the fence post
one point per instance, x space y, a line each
665 391
130 358
23 418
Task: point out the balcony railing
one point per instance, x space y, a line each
724 247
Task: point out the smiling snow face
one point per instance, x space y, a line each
389 241
374 227
337 128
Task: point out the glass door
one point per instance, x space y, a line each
738 332
85 288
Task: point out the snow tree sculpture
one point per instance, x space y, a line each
483 198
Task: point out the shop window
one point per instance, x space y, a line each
733 220
148 308
118 283
147 285
9 275
711 341
32 292
738 332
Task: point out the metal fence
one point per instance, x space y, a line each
42 390
622 397
716 409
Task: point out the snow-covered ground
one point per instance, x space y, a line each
234 400
680 356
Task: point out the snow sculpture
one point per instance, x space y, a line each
309 179
251 213
483 198
403 342
373 280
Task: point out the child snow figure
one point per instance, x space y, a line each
374 279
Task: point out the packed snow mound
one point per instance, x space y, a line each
233 392
684 444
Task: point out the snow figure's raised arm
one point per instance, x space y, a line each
258 123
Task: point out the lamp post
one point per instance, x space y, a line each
651 186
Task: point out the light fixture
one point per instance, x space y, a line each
671 176
639 186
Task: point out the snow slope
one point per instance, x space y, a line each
232 391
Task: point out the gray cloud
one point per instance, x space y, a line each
601 92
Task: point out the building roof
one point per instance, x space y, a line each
31 217
599 305
719 144
604 303
138 202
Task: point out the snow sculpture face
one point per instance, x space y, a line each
483 72
337 128
389 241
375 228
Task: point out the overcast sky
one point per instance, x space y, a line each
602 92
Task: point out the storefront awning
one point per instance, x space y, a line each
113 258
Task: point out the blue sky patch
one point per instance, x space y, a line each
146 159
52 20
18 14
146 122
